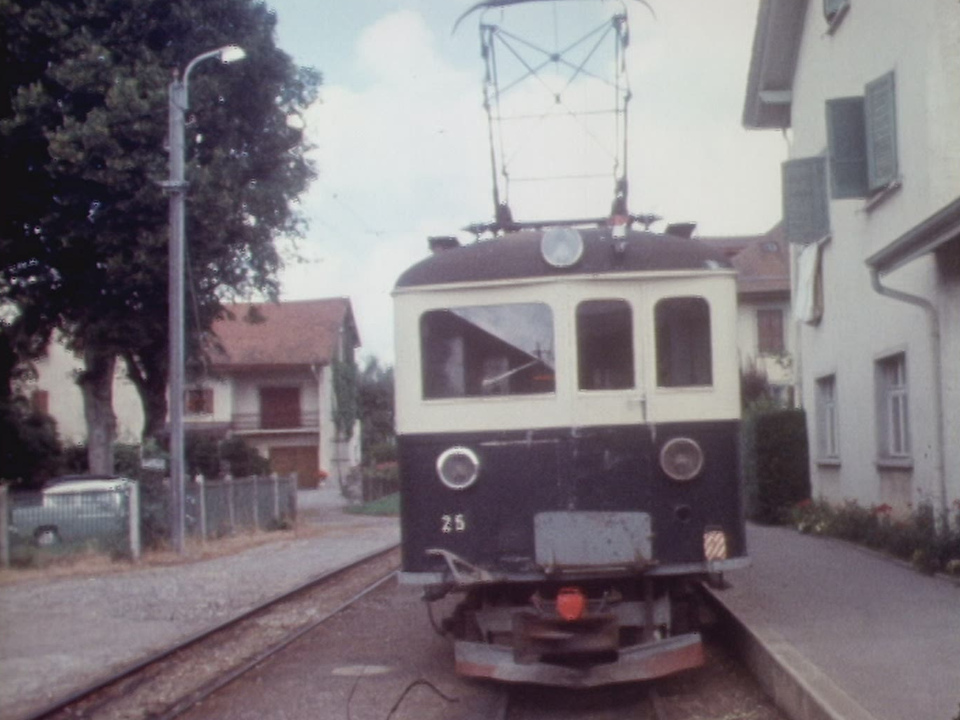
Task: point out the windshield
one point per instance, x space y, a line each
487 350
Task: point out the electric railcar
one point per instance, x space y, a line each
568 413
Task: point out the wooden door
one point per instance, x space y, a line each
301 459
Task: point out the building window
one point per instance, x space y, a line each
40 402
605 345
892 408
828 445
862 140
770 331
683 342
198 401
834 11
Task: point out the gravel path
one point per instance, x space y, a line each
60 634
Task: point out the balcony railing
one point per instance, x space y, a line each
276 421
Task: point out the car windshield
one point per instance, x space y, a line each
487 350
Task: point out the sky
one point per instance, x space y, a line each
400 135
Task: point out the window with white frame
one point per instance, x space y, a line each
828 445
893 441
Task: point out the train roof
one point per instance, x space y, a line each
517 256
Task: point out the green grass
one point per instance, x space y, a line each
387 505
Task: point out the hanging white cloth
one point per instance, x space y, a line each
808 292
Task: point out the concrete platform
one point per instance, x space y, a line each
836 632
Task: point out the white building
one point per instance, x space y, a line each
868 94
270 382
764 339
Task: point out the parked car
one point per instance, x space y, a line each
74 509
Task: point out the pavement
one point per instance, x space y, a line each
60 634
837 632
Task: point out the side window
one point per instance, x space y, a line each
683 342
828 445
605 345
893 425
487 350
835 10
770 331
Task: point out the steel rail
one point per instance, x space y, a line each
200 694
138 666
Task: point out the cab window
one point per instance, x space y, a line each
487 350
683 342
605 345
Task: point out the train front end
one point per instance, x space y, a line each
568 447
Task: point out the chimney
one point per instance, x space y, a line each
440 243
683 229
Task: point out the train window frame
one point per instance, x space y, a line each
480 373
694 377
615 378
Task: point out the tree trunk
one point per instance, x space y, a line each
96 384
148 372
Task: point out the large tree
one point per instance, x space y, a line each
83 225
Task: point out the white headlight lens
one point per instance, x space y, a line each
681 459
561 247
458 468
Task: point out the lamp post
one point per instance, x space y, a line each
176 187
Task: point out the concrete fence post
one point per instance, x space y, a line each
231 510
133 517
256 503
202 495
276 498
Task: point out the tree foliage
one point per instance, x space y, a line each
29 447
83 123
345 400
375 400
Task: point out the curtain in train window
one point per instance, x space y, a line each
487 350
683 342
605 345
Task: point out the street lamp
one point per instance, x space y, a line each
176 186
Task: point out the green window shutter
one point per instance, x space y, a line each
880 110
806 210
846 140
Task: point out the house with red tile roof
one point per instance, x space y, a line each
268 379
764 332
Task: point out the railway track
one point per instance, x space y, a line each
166 685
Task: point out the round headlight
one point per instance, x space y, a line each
458 467
681 459
561 247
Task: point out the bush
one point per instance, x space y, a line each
243 459
775 465
380 480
